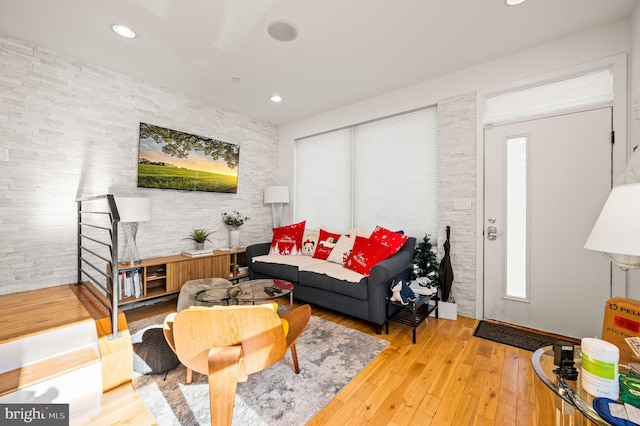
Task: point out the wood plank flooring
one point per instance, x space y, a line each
449 377
31 312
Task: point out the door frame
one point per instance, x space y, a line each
618 66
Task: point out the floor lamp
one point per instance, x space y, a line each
276 196
132 211
617 231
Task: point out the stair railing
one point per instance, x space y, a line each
97 237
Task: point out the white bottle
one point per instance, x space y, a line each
600 368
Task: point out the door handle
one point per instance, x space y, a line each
492 233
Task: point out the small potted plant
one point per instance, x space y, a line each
199 236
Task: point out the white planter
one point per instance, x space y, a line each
447 310
234 238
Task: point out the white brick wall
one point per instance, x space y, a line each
457 181
71 130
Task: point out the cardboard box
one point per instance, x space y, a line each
621 320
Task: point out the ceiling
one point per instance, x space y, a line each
347 50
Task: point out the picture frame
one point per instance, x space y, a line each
171 159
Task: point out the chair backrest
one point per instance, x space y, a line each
258 329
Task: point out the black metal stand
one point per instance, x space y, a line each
413 313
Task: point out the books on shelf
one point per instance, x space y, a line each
130 283
194 253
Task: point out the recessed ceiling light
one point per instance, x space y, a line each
123 31
276 98
283 30
514 2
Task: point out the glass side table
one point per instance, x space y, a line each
572 402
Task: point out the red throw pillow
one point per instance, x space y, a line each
326 242
365 254
392 240
288 239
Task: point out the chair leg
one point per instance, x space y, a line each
294 355
189 376
225 365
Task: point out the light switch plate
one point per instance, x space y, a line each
462 204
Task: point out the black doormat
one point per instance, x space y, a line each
513 336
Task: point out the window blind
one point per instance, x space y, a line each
589 89
383 172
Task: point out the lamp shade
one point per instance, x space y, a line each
133 209
276 194
617 231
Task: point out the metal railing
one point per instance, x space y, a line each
98 251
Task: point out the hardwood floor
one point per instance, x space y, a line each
449 377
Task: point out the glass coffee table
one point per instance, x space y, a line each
247 291
572 401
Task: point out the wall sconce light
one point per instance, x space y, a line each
132 211
276 196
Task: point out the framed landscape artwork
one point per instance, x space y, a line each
169 159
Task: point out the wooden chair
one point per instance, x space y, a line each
227 343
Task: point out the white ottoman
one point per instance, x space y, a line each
193 287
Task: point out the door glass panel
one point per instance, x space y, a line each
516 232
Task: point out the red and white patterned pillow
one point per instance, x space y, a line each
365 254
341 250
310 241
326 243
287 240
392 240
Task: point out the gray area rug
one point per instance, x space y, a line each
330 355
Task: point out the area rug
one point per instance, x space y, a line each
329 354
513 336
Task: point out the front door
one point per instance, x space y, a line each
546 181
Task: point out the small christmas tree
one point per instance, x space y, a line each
424 259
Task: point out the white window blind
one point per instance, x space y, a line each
390 179
323 180
595 88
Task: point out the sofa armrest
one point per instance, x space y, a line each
254 251
395 267
257 250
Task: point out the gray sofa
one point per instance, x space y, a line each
365 299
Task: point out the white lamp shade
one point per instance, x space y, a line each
617 230
133 209
276 194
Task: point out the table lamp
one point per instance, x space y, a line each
617 231
132 210
276 196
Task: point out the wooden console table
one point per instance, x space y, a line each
160 276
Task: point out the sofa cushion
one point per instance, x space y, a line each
318 276
287 240
310 241
365 254
359 232
392 240
281 266
341 250
326 243
333 270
